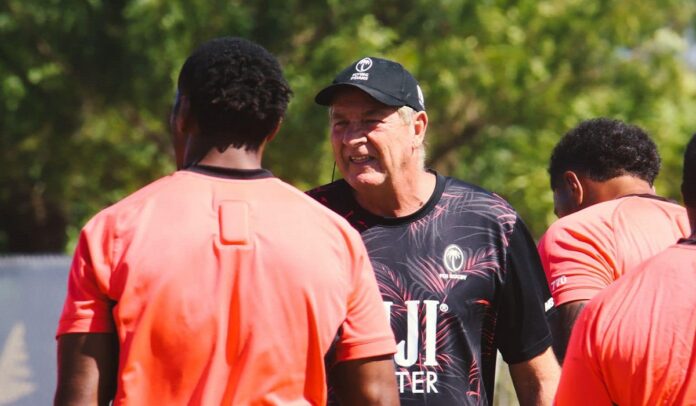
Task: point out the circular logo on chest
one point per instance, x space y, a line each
453 258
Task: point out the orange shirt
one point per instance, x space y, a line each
584 252
634 343
224 289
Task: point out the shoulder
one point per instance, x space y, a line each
475 196
642 292
655 220
130 205
313 200
635 209
463 188
666 267
103 231
330 192
646 278
313 208
591 220
640 201
338 196
472 205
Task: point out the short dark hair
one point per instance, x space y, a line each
237 91
604 148
689 175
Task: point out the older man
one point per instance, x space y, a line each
459 274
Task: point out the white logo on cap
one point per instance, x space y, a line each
363 65
421 99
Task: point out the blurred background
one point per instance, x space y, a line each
87 85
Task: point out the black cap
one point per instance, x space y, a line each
386 81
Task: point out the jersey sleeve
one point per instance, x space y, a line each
522 329
87 307
581 379
365 332
577 262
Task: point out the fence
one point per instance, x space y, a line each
32 290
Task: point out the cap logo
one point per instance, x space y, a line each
363 65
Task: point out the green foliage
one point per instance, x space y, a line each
87 86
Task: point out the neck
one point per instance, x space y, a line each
615 188
233 158
398 197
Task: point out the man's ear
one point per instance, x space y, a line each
574 185
178 123
270 136
275 131
420 125
182 115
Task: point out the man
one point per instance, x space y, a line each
459 274
634 342
220 284
602 175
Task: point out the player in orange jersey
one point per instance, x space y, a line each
602 175
220 284
634 342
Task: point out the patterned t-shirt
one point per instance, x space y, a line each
459 279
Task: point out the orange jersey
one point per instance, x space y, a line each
225 287
634 343
584 252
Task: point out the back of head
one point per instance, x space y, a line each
689 176
602 149
236 90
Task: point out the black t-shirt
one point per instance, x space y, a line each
460 278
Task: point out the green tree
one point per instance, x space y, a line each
87 86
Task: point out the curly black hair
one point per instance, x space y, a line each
689 175
604 148
237 91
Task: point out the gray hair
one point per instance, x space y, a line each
406 113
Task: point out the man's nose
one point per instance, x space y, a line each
355 133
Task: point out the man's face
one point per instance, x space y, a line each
370 140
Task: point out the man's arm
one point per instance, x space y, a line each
87 369
562 325
536 380
368 381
